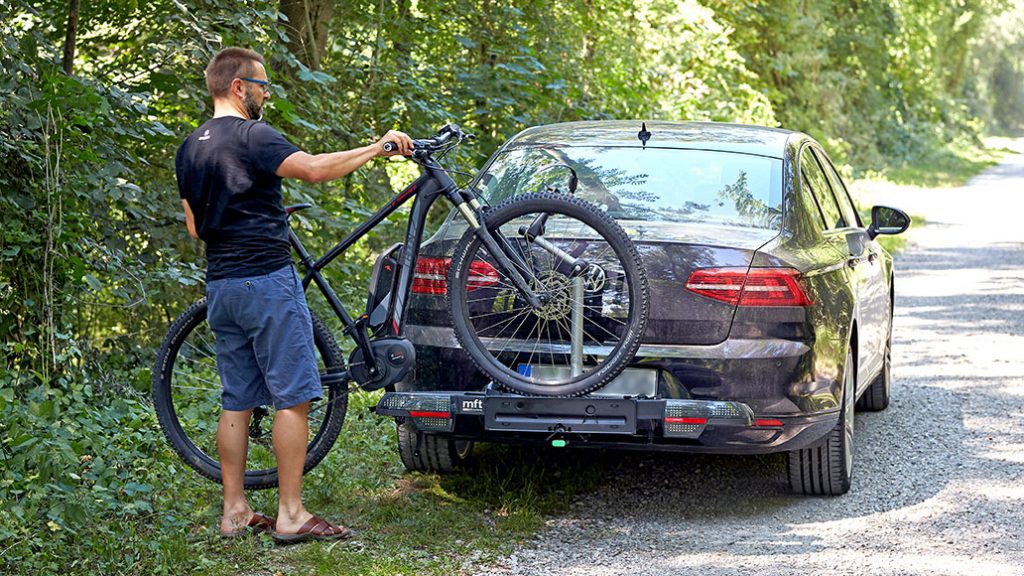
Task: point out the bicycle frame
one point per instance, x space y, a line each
431 184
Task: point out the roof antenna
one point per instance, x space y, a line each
643 135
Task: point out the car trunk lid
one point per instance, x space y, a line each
672 252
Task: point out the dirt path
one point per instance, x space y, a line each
939 482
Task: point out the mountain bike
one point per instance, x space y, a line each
558 272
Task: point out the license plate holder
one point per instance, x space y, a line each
508 413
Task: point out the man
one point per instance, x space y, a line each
229 178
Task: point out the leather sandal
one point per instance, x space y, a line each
258 523
314 529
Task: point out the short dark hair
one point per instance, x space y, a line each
228 64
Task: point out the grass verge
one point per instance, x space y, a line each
425 523
946 166
407 523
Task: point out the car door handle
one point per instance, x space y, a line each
872 257
852 262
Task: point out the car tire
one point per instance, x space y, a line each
437 453
827 468
876 397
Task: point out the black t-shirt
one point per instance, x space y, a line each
226 172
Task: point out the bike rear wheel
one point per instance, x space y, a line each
591 323
186 395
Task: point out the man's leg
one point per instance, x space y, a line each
291 433
243 387
285 349
232 447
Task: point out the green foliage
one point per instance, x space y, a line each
882 83
78 489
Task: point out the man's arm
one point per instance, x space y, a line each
320 167
190 221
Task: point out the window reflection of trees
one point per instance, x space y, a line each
752 211
623 195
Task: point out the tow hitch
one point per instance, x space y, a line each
558 417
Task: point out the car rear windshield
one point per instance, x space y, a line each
651 185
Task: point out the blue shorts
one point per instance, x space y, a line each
265 350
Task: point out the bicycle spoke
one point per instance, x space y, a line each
598 309
529 360
551 347
525 318
201 352
217 389
525 312
606 331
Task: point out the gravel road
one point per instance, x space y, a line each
938 487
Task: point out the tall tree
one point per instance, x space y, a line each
69 38
307 26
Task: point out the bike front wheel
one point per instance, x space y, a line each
592 286
187 398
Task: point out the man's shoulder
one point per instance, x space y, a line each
262 135
259 128
217 131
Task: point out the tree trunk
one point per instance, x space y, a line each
307 27
69 39
486 63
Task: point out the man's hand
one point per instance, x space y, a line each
401 139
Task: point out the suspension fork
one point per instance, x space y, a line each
507 259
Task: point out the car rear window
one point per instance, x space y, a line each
653 184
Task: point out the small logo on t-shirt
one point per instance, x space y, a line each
205 136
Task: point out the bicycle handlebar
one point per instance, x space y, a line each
437 142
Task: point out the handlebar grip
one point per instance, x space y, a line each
390 146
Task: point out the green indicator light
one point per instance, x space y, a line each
558 443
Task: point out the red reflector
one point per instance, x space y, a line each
431 276
674 420
766 422
422 414
750 287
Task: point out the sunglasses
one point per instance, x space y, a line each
264 84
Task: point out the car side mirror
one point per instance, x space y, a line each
887 220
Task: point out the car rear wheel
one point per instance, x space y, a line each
827 468
436 453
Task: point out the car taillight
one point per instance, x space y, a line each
750 287
431 276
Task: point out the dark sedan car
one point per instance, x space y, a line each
770 303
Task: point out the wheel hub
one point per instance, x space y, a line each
558 291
